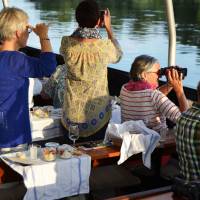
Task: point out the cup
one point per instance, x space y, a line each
34 150
163 134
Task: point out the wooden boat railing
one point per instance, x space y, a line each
116 78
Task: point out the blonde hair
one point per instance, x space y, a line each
11 20
141 64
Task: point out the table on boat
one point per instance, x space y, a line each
105 155
109 154
53 180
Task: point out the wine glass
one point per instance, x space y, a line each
73 132
163 134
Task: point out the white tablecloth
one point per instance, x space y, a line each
44 128
54 180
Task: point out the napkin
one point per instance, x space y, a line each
136 138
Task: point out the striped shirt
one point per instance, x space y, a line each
188 142
149 105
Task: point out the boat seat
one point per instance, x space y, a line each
170 170
107 181
12 191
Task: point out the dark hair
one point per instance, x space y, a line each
87 13
140 64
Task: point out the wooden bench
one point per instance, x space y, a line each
163 193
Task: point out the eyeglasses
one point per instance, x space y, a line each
158 73
29 30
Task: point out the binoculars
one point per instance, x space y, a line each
179 70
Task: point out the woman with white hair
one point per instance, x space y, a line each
141 100
16 68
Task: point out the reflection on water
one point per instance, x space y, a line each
139 25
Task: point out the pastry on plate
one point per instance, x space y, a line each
21 155
49 154
65 154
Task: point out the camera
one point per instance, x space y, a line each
102 13
177 68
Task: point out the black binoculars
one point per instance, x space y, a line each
179 70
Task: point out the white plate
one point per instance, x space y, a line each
48 160
65 157
26 161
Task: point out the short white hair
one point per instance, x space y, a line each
11 20
142 63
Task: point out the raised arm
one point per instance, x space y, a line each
41 30
108 26
175 80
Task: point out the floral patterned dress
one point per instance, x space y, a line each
55 86
86 97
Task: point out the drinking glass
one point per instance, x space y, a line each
73 132
34 151
163 134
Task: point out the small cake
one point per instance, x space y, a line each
39 112
21 155
65 154
49 154
60 151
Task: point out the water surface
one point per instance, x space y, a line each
139 25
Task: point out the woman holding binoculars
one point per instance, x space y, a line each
141 100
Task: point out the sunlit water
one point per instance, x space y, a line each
139 25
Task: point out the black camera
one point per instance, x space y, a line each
179 70
102 13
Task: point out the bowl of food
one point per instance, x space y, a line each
49 154
65 154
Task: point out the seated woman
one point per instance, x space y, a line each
141 100
55 86
86 55
16 68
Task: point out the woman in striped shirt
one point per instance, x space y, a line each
140 100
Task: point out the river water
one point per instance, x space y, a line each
139 25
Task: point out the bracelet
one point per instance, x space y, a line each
44 39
